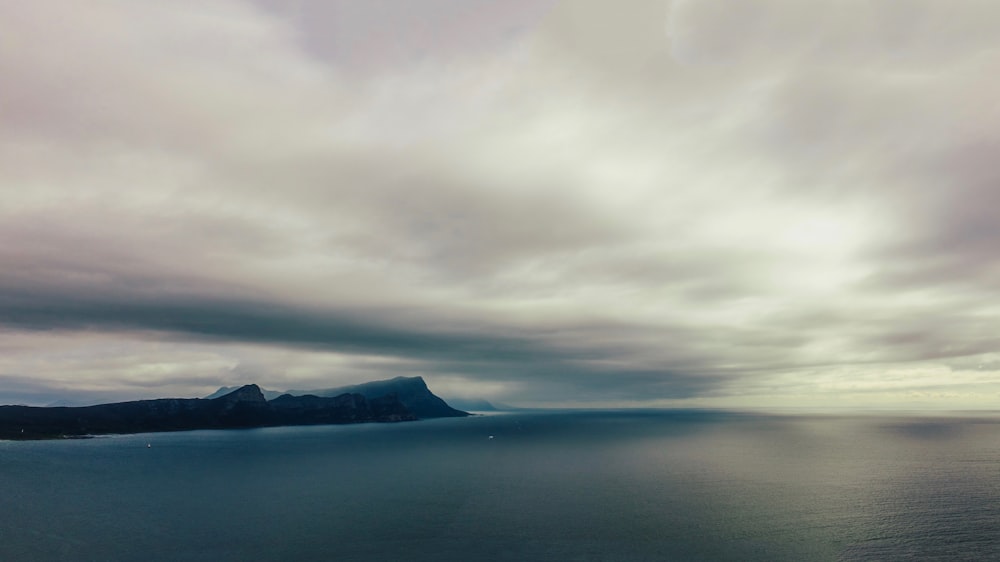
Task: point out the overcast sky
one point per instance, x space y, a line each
697 202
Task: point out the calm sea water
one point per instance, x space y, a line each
632 485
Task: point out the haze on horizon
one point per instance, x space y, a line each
697 202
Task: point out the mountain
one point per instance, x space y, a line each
224 390
411 391
244 407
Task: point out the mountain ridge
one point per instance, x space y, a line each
411 391
245 407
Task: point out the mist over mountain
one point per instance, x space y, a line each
478 405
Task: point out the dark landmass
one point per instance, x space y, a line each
245 407
411 391
224 390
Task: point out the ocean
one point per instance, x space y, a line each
578 485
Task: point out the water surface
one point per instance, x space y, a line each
621 485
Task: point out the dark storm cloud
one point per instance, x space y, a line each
442 344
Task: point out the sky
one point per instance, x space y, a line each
753 203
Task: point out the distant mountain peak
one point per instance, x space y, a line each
246 393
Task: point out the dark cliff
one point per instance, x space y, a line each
411 391
245 407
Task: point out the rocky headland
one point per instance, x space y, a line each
243 407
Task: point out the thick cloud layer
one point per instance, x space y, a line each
763 202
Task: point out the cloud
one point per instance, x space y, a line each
422 340
550 201
779 32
